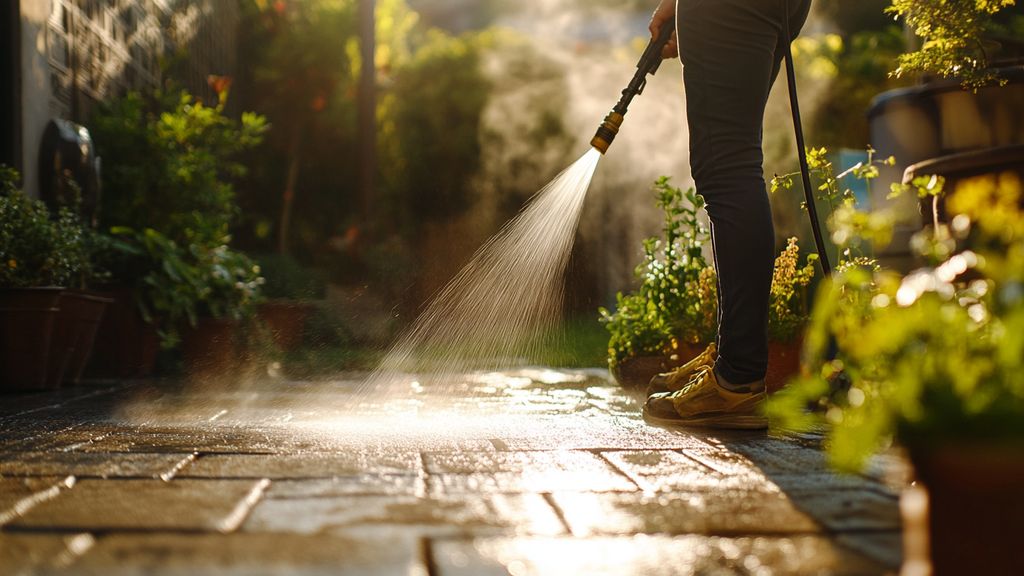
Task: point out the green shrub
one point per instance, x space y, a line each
36 247
954 37
168 164
174 285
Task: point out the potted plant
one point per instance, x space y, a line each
290 290
41 256
672 315
168 201
228 291
934 362
787 314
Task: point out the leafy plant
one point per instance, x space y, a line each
36 247
170 162
933 357
233 283
174 285
787 308
675 302
853 232
953 34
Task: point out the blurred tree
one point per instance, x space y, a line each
305 65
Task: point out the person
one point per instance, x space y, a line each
732 51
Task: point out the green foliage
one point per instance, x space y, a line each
853 232
37 248
287 278
933 357
435 109
305 66
676 299
851 70
176 284
169 164
954 38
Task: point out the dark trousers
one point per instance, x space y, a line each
732 51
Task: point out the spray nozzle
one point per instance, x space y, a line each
648 64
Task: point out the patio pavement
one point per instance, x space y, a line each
529 472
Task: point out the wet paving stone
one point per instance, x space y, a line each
250 554
303 465
26 554
883 547
361 485
718 513
544 471
649 556
91 464
192 439
208 505
493 514
532 471
18 495
772 455
847 510
671 471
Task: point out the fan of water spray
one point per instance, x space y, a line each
502 306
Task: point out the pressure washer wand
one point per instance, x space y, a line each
648 64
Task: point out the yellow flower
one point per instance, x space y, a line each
12 263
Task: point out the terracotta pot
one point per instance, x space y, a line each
783 363
211 348
126 345
636 372
27 319
286 320
975 506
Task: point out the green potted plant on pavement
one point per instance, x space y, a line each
671 316
227 295
787 313
935 361
168 203
42 255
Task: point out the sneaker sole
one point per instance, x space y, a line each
723 421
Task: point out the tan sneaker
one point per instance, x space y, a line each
703 402
679 377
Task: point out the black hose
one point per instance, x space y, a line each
805 171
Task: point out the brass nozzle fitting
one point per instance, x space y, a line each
606 132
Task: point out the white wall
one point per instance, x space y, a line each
35 88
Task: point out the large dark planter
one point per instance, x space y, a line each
211 348
636 372
936 120
126 345
81 312
27 319
975 506
966 167
286 321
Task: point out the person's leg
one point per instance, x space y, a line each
731 51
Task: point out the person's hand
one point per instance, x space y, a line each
665 13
